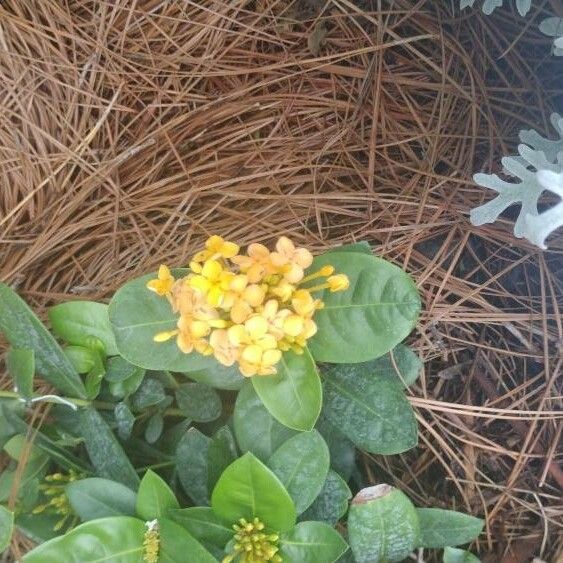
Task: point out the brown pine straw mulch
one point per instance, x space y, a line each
133 129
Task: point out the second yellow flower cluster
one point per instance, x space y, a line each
246 308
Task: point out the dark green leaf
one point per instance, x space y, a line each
342 450
222 452
453 555
441 528
151 392
332 502
256 430
95 498
202 524
154 428
136 315
6 527
38 528
15 407
311 542
370 409
401 363
76 322
301 464
119 369
21 366
294 394
113 540
155 497
198 402
382 525
124 419
248 489
105 452
191 465
378 311
218 376
122 389
24 330
178 546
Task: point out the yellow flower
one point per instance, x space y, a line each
257 265
304 304
293 260
163 284
151 542
252 544
212 280
257 360
217 247
223 349
190 338
283 289
243 298
339 282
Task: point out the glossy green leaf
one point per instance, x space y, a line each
76 322
378 311
192 465
6 527
21 366
441 528
136 315
94 377
126 387
198 402
370 409
301 464
342 450
294 394
453 555
178 546
119 369
23 329
95 498
150 393
105 452
222 452
248 489
256 430
155 497
202 524
382 525
124 419
219 377
112 540
332 502
154 428
81 358
311 542
401 363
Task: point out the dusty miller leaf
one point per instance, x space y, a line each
553 27
550 148
489 6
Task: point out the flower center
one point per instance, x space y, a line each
252 544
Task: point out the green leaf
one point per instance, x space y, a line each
6 527
178 546
453 555
342 450
105 452
38 528
155 497
248 489
82 359
382 525
126 387
218 376
202 524
124 419
256 430
363 247
332 502
95 498
311 542
119 369
14 407
23 329
370 409
154 428
114 540
150 393
21 366
301 464
378 311
294 394
192 466
222 452
401 363
198 402
136 315
94 377
441 528
76 322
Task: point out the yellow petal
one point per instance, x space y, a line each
271 357
239 283
303 257
164 336
212 269
294 274
256 326
339 282
254 295
293 325
229 249
164 272
285 246
252 354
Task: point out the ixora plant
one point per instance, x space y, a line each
247 381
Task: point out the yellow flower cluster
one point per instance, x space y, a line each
151 542
252 544
54 488
246 308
